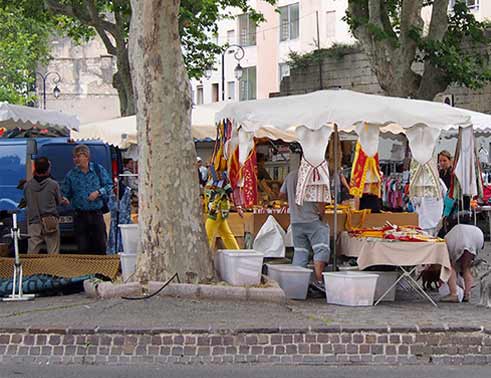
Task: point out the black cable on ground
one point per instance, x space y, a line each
155 293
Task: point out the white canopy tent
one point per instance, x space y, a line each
122 132
26 118
344 110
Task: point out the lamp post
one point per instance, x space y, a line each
238 55
56 80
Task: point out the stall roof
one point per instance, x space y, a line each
26 118
345 108
122 132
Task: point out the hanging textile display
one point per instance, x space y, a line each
425 189
365 174
313 174
467 177
243 179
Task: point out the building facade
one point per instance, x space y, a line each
86 71
297 26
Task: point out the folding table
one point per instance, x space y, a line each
406 256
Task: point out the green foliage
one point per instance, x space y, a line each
24 43
197 24
301 61
463 53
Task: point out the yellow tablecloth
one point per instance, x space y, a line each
372 252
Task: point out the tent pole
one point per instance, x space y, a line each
336 190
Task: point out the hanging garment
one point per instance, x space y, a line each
248 176
313 183
313 174
425 180
314 143
365 174
466 180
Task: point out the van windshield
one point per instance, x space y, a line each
12 169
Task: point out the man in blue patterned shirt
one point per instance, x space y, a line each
84 186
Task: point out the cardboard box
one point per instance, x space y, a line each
4 250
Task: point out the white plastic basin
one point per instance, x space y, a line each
294 280
350 288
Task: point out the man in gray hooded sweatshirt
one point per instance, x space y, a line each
42 195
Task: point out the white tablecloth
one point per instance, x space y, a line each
372 252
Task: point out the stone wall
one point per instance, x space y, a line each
320 346
86 80
353 71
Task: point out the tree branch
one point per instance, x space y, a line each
439 20
434 80
89 18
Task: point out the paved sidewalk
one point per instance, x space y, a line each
77 329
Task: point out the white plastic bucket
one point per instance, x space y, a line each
128 264
129 235
350 288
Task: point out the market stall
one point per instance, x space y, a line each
313 119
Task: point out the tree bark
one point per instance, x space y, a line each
392 57
123 84
172 231
113 38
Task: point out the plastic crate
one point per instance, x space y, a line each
241 267
350 288
294 280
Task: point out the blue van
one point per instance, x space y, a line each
16 163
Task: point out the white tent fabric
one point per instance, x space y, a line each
422 141
122 132
343 107
24 117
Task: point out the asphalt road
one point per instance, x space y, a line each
176 371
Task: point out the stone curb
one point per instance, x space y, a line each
106 290
247 330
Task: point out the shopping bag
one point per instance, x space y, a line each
270 239
289 237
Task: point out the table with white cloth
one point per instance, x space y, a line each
402 254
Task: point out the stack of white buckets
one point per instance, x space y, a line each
129 235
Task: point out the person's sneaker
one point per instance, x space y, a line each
450 299
318 285
466 298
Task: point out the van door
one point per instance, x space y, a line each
13 168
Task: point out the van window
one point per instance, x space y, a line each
12 169
60 155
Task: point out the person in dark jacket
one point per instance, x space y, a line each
42 196
445 165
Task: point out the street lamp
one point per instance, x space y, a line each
56 80
238 55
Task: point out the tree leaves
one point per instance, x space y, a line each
24 43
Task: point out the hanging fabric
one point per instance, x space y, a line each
467 178
313 174
365 174
424 180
